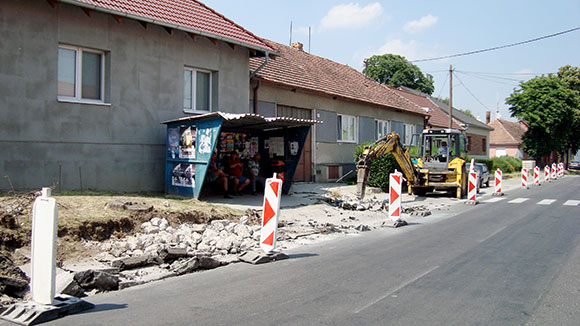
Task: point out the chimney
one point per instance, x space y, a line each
298 46
487 117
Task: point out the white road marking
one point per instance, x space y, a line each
546 202
518 200
491 235
399 288
572 203
493 200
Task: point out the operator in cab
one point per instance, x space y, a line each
443 150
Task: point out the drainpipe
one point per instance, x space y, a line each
256 96
252 75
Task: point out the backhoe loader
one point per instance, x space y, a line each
439 165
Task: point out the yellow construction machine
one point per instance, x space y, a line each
439 163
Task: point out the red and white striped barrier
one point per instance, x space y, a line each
553 171
537 175
547 173
498 182
472 188
272 196
560 169
395 188
524 178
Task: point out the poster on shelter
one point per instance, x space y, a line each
173 142
183 175
187 142
204 137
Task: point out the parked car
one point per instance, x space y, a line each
574 165
483 172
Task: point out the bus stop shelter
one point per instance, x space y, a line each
191 141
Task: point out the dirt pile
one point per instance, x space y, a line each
13 281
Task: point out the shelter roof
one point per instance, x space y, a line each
248 121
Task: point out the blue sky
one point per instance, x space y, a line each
349 31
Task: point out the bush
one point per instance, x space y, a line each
379 168
486 161
507 164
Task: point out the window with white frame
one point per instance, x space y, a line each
197 90
409 131
382 128
347 128
81 74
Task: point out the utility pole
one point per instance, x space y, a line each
450 96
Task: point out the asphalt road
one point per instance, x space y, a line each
495 263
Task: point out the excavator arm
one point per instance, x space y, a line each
390 143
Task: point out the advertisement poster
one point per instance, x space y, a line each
183 175
204 141
187 142
173 142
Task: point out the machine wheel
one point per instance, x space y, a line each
462 191
419 191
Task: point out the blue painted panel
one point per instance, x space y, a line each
188 152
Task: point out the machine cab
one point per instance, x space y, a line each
439 147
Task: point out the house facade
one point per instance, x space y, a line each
477 132
506 138
353 109
85 85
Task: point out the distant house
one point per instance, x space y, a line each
87 83
477 132
354 109
506 138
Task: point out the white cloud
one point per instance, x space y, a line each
303 31
416 26
409 50
524 71
351 15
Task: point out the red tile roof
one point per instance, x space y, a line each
506 132
301 70
189 15
437 117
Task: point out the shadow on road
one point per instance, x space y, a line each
105 307
304 255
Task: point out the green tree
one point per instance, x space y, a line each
571 77
394 70
550 109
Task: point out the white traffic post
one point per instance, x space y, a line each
472 188
270 213
547 173
395 189
524 178
554 171
498 182
537 175
43 251
561 169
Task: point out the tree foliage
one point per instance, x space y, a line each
551 111
394 70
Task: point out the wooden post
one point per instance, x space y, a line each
450 96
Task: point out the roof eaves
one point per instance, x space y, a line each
345 97
267 51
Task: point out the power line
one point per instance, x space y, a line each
498 47
505 73
475 97
492 80
444 82
489 76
